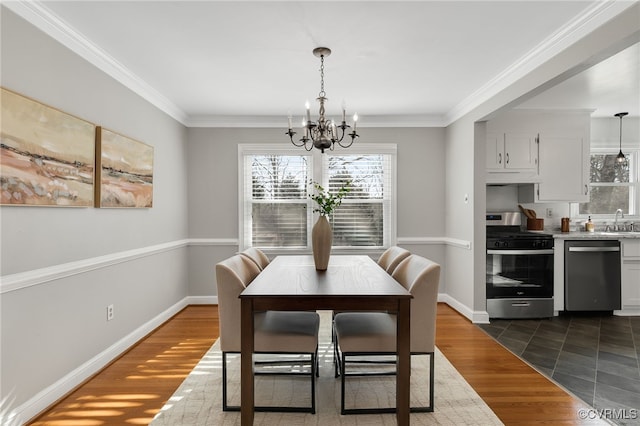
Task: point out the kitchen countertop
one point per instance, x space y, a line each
600 235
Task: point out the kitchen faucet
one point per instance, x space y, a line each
615 222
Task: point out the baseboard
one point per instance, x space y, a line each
48 396
476 317
202 300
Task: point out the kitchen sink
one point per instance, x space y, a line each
618 233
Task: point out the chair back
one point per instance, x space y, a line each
257 256
233 275
421 277
391 258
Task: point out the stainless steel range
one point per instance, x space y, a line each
519 269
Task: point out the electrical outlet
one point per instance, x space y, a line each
109 312
549 212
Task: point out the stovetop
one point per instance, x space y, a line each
504 231
519 240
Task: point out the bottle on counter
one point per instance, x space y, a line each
589 226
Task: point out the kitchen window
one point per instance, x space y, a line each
613 186
277 213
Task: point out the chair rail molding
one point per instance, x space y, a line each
20 280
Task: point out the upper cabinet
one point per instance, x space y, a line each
547 149
564 169
511 151
511 157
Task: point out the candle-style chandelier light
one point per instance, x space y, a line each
323 134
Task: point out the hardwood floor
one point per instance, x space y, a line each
135 387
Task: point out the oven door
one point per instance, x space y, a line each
514 273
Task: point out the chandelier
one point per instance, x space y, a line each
323 134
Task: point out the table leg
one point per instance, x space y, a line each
404 362
246 363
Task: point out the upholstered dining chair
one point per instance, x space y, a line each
374 333
257 256
391 258
276 332
389 261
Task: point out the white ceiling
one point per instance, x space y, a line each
415 62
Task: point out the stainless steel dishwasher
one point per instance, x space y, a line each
592 275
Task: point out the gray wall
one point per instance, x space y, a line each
213 191
52 323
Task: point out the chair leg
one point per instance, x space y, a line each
343 362
336 360
427 409
225 406
312 376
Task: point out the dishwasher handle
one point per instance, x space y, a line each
594 249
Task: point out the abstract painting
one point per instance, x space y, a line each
124 170
47 157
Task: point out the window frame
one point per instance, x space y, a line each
633 155
316 164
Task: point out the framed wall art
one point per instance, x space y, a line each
47 157
124 171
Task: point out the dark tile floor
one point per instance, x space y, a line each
595 357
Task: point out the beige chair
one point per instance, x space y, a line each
275 332
257 256
374 333
391 258
389 261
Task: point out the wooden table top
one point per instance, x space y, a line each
347 276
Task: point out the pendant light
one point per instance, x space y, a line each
620 158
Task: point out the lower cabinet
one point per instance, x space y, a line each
630 276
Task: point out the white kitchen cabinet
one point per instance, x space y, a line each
630 276
563 170
511 157
549 150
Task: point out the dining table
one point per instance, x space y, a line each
350 283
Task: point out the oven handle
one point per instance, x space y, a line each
520 252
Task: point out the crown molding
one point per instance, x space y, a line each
593 17
272 121
36 13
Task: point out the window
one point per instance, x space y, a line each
275 208
612 185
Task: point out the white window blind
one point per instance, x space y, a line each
277 213
276 200
365 212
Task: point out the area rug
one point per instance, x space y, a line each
198 401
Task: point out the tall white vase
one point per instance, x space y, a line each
321 240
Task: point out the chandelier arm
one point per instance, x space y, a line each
339 139
353 135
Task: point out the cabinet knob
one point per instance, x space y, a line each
507 157
586 189
499 158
